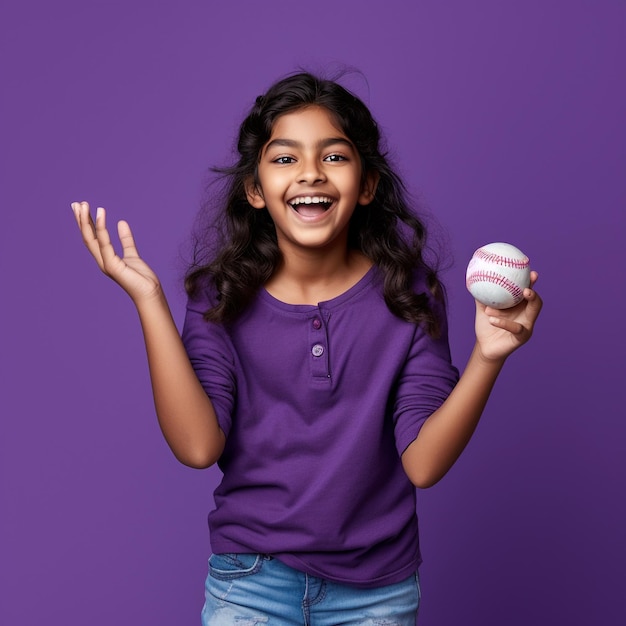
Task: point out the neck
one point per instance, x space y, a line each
312 276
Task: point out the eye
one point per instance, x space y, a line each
284 160
335 158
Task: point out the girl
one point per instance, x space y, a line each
314 368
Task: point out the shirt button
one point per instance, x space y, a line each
317 323
317 350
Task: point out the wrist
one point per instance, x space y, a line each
152 301
485 360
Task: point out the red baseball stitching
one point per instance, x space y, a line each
492 257
498 279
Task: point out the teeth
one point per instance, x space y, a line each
310 200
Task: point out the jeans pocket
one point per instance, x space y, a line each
230 566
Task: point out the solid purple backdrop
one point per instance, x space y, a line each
507 119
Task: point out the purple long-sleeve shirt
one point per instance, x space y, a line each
317 404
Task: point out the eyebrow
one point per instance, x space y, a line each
322 143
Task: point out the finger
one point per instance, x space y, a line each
85 222
534 303
126 238
74 206
515 328
533 278
109 257
77 209
87 228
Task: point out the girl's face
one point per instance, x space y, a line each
309 181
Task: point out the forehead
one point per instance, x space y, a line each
305 125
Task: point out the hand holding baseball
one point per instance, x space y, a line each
501 331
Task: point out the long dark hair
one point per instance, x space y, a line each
386 230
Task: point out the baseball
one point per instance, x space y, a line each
497 275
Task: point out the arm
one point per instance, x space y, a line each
184 411
447 431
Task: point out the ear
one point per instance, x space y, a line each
368 190
254 195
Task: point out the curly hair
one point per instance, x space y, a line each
386 230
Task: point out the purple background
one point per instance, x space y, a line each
507 118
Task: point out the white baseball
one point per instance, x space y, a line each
497 275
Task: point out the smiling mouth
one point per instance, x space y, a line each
310 206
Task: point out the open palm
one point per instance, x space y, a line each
129 270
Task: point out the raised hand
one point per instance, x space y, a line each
129 270
185 412
501 331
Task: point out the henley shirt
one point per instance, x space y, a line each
317 404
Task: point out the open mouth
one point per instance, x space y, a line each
310 206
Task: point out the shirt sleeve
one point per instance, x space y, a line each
211 355
425 382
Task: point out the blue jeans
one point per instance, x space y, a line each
254 589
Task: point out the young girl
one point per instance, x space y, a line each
314 368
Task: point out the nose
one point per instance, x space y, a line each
311 171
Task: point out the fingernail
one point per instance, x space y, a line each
99 212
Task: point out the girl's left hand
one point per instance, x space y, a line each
501 331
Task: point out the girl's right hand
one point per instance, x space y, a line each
129 271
